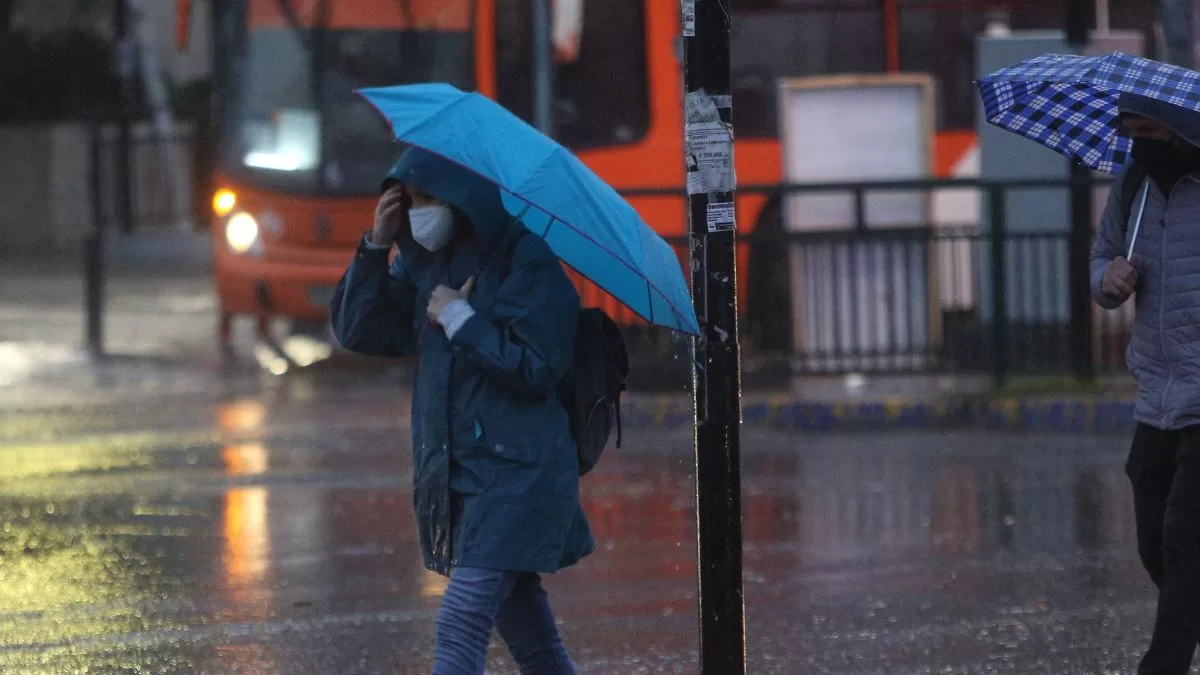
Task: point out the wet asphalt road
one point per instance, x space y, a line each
216 523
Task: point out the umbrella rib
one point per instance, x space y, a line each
606 250
436 114
650 301
434 117
642 316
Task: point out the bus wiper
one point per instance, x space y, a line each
405 41
305 35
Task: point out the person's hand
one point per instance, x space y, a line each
444 295
1121 278
390 216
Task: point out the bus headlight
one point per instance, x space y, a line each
224 201
241 233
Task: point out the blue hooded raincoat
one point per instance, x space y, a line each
495 469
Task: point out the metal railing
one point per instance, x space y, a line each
835 283
849 287
146 184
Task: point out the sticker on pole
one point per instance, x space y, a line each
689 18
721 217
709 146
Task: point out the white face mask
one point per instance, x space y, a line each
432 226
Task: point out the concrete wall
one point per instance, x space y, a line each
46 191
69 206
47 16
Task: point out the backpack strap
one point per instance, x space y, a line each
617 408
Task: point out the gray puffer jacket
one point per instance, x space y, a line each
1164 354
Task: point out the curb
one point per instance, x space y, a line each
1099 415
163 251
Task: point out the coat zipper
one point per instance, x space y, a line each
1162 303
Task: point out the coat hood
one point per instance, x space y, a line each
1182 122
457 186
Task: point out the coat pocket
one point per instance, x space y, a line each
505 441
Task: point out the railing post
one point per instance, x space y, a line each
93 249
1079 240
860 208
126 60
997 196
1078 262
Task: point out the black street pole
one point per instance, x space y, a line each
119 175
93 249
1080 240
126 64
710 185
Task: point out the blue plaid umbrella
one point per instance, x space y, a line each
1069 103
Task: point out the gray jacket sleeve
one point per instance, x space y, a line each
1109 245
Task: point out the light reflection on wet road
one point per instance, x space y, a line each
253 532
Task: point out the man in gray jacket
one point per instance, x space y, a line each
1164 356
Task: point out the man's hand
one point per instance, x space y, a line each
390 216
1121 278
444 295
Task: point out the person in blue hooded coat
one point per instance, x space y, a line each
490 315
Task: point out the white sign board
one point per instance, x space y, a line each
854 129
860 303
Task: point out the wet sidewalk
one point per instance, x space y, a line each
164 322
268 529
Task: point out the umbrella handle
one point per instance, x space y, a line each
1137 223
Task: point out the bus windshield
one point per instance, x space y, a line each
293 122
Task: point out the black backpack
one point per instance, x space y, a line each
591 391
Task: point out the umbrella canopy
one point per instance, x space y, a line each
1071 103
587 224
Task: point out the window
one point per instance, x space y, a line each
943 44
291 120
601 88
775 39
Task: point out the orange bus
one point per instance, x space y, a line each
299 156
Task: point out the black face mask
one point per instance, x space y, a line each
1163 161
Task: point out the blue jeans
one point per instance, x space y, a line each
515 603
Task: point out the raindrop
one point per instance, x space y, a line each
50 508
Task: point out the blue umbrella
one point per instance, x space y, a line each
1069 103
587 224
